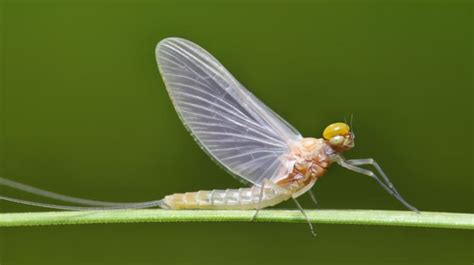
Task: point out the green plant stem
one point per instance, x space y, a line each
361 217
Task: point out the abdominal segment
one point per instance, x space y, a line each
236 199
310 164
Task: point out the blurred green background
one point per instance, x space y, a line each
84 112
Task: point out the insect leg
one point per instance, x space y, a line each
371 174
260 198
313 197
305 216
370 161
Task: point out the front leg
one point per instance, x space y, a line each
351 165
371 161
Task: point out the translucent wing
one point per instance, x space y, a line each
235 128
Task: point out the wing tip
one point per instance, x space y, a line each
161 45
168 40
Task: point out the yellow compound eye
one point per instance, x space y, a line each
338 128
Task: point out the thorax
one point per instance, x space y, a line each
311 159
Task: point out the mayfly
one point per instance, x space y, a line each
242 135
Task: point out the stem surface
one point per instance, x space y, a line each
360 217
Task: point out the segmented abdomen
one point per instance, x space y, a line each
238 199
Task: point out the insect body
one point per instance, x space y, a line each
310 158
241 134
246 137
